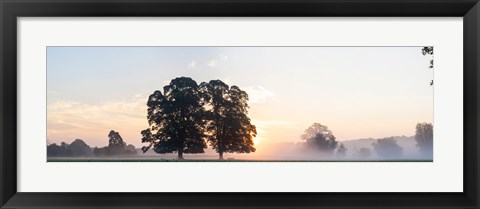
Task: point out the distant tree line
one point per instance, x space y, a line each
387 148
319 137
185 116
78 148
363 153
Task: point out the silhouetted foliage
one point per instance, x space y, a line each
53 150
363 153
100 151
130 150
176 118
79 148
428 51
387 148
76 149
320 137
228 126
341 151
116 146
424 138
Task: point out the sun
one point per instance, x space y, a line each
256 140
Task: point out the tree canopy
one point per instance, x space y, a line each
320 137
79 148
116 146
388 148
424 138
228 126
177 119
54 150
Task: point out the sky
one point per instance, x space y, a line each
358 92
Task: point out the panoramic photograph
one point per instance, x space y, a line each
239 104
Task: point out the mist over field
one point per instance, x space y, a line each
286 151
299 151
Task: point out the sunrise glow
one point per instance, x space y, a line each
357 92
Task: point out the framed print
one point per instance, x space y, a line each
195 104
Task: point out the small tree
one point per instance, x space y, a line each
341 151
65 151
387 148
320 137
424 138
116 145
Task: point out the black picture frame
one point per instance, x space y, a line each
11 9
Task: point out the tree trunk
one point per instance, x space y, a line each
180 154
180 145
220 149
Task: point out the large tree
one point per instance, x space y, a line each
229 127
424 138
177 119
320 137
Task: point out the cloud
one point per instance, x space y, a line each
192 64
220 59
224 57
258 94
212 63
67 120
